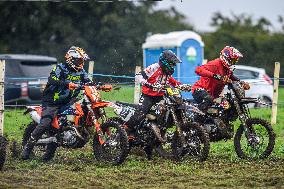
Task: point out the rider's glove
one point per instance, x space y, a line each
184 87
226 79
72 86
245 85
106 88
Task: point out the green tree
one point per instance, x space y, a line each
260 47
111 33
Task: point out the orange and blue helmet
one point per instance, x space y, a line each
75 58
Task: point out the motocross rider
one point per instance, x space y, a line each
153 78
214 76
60 89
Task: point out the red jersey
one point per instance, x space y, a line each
207 82
151 75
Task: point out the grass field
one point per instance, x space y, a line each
78 169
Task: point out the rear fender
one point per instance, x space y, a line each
35 113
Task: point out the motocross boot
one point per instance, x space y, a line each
28 148
50 152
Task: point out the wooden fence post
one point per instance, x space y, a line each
2 76
137 86
91 69
275 93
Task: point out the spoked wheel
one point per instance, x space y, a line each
165 149
194 144
38 150
257 142
111 145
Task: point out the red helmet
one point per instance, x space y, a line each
229 56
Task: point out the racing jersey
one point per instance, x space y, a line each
56 91
151 75
207 82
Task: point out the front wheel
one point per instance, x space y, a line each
111 145
193 144
256 141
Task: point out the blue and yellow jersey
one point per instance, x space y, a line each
56 91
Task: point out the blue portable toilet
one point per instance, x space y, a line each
187 45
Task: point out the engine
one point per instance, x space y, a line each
69 138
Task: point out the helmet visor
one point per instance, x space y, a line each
234 61
172 63
78 62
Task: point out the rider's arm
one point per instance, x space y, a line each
56 76
173 82
143 76
206 70
234 78
85 77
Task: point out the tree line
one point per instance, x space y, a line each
113 33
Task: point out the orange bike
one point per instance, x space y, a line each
80 120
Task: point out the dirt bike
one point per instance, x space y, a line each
254 139
165 128
84 117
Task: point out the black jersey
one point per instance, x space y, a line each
56 91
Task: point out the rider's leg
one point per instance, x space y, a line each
203 98
48 113
145 102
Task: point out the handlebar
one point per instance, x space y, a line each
182 87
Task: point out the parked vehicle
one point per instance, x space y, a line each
84 117
25 77
254 139
165 128
261 84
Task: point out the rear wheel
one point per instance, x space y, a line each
111 145
193 144
257 142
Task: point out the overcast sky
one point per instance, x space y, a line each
199 12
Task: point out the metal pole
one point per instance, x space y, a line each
2 76
137 86
275 93
91 69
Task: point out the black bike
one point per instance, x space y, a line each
166 128
254 138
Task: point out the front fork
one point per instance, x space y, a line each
243 116
178 126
